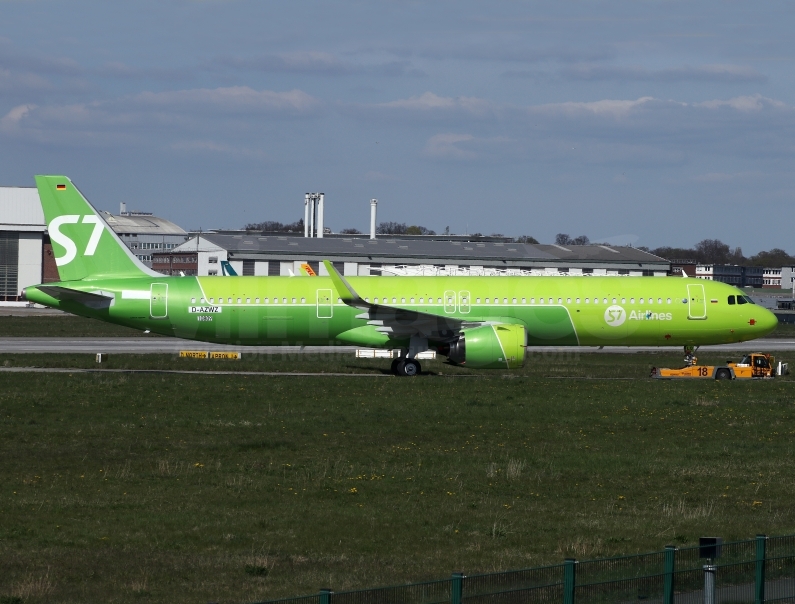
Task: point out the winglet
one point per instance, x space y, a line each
344 289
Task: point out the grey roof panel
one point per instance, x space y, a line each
142 224
420 250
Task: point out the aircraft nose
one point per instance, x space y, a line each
767 321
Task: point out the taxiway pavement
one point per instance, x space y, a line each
158 345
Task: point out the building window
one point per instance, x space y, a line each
213 260
248 268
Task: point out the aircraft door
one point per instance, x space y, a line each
449 301
696 302
463 302
325 308
158 300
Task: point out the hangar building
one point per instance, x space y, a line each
280 254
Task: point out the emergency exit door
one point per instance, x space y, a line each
325 308
158 301
696 302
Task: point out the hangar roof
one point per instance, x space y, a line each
142 224
254 245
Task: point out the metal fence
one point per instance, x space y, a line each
755 571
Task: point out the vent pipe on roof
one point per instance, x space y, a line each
311 215
320 215
373 204
306 215
122 208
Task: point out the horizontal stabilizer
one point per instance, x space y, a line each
90 299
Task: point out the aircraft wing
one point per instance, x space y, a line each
397 322
95 300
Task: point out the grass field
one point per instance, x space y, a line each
55 326
183 488
63 326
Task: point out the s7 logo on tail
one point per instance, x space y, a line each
67 244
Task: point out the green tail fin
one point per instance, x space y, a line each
85 247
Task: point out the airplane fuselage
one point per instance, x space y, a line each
561 311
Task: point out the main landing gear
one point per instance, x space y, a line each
404 367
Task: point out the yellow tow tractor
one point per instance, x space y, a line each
756 365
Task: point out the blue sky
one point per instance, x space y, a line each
652 123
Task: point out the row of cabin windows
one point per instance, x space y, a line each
451 301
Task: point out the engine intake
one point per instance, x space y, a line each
500 346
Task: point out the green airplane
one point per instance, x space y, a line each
480 322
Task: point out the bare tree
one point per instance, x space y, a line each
272 226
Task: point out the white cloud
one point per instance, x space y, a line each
233 98
754 102
432 102
16 115
227 113
607 107
444 146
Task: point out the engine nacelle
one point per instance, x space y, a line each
500 346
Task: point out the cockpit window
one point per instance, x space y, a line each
731 299
741 300
747 299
